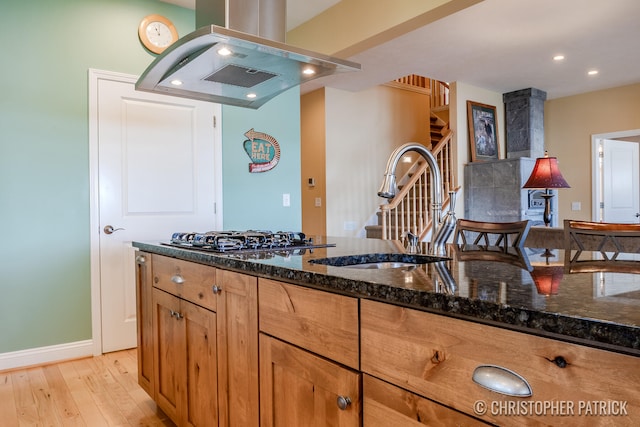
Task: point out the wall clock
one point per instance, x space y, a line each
157 33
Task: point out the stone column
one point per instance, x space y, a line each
524 116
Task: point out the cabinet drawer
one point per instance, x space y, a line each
187 280
435 356
321 322
386 405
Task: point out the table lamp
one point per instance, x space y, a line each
547 277
546 175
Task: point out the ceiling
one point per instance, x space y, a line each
502 46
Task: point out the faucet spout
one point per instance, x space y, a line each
388 188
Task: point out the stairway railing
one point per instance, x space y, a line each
410 209
439 94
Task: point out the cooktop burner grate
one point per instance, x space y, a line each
246 241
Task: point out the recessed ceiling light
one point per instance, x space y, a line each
251 95
308 71
592 72
558 57
176 82
224 51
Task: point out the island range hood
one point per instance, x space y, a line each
238 57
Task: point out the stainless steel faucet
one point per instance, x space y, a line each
412 243
440 231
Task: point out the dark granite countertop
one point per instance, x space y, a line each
595 309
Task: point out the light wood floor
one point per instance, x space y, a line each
92 392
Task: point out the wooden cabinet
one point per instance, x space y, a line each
386 405
299 388
238 349
321 322
185 361
309 357
186 280
198 335
144 319
218 347
435 356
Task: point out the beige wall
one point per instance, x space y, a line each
459 95
569 124
312 153
362 129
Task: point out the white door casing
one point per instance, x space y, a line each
155 167
616 186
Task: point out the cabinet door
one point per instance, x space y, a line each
201 365
388 406
238 349
169 354
298 388
144 319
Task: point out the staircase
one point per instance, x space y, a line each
438 129
411 208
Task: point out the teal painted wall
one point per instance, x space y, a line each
47 48
254 200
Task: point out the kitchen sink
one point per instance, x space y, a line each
381 265
378 261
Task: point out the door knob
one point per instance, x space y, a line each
108 229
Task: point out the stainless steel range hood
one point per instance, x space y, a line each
255 68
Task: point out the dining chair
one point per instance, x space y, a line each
610 239
607 239
498 234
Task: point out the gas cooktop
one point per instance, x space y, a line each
243 241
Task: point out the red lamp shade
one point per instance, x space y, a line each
546 174
547 279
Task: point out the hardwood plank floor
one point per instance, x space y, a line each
92 392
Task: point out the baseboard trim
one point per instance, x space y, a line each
44 355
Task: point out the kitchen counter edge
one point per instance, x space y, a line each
585 331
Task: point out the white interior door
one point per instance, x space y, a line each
158 172
620 181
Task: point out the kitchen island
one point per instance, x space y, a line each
421 331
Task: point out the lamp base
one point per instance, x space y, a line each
546 216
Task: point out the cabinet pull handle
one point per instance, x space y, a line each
216 289
343 402
177 279
501 380
176 314
140 259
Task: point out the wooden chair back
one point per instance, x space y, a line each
610 239
500 234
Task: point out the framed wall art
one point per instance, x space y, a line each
483 135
